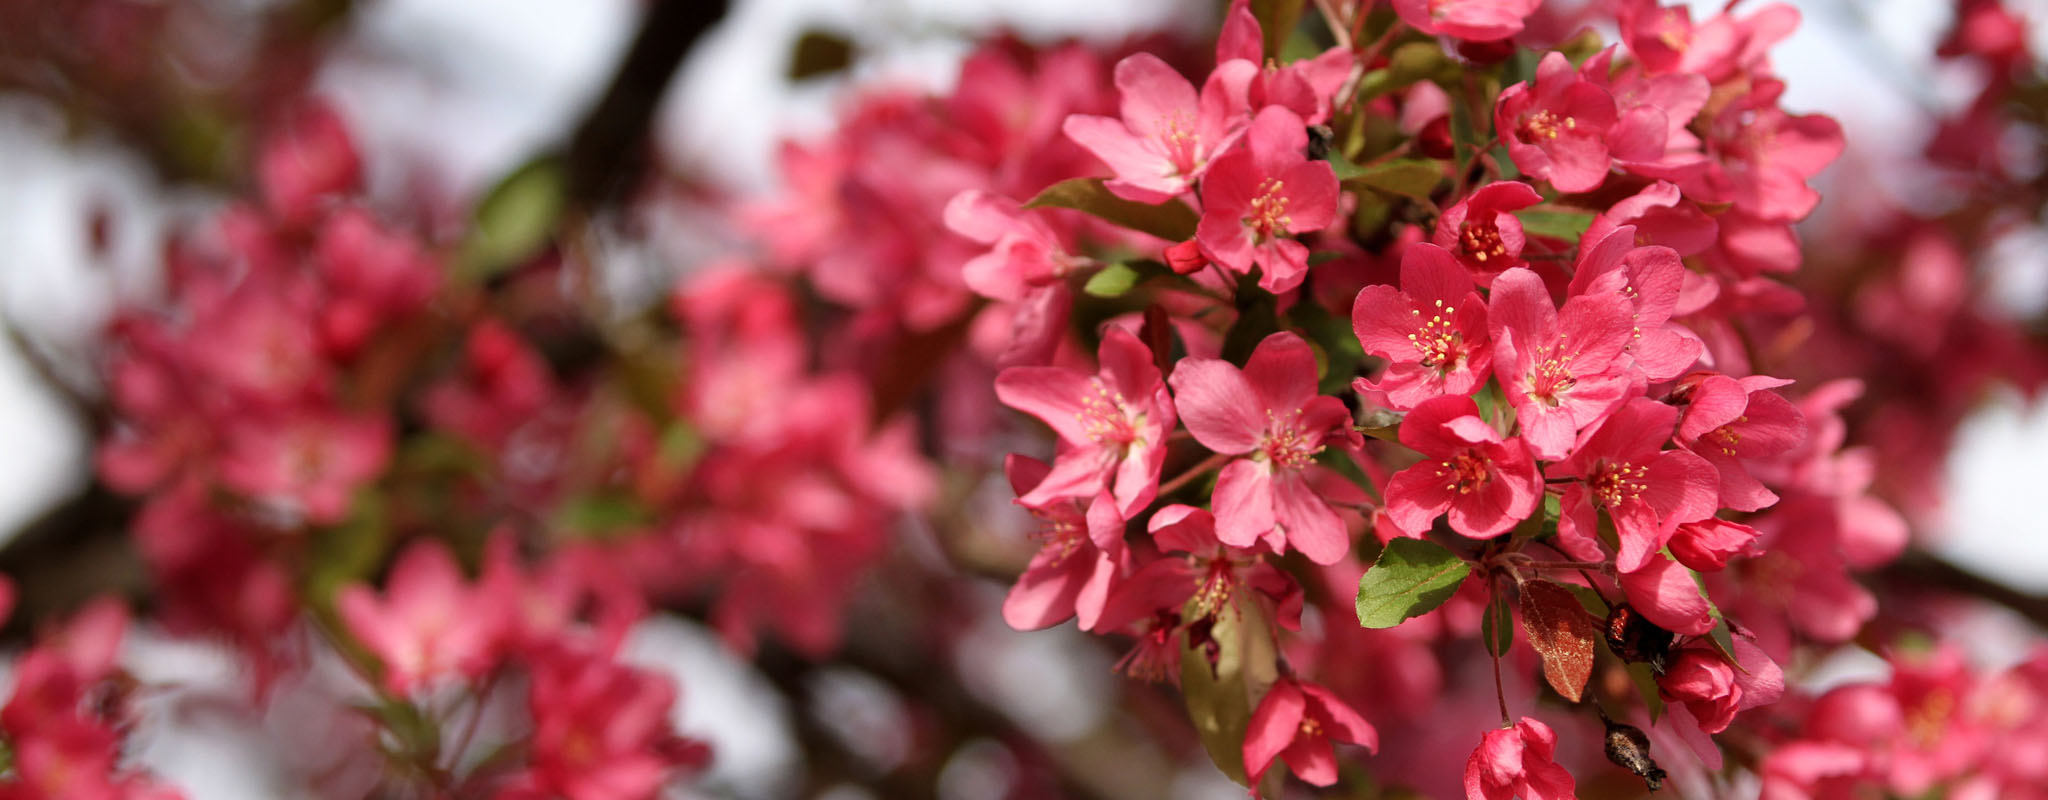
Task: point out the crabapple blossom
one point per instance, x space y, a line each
1256 196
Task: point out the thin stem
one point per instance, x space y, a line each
1212 462
1500 693
1338 29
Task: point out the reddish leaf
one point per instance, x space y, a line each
1562 632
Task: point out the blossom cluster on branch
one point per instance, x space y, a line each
1447 319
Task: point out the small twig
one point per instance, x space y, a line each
1207 464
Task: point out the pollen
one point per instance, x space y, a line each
1482 242
1268 214
1619 483
1544 125
1288 445
1437 344
1106 416
1465 472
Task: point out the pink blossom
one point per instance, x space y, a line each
1567 130
1651 278
1729 420
1665 594
305 161
1561 370
428 626
1269 414
1080 553
1487 483
1211 575
1471 20
1169 135
1305 86
1483 231
308 463
1296 722
1518 761
1667 41
1432 331
600 732
1661 216
1647 490
1712 689
1256 196
1707 545
1763 157
1025 253
1112 425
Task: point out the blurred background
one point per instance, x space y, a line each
100 156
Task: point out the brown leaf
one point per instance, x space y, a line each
1562 632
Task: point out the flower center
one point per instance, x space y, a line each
1482 241
1310 728
1268 214
1619 483
1552 377
1215 590
1106 416
1182 145
1544 126
1464 472
1059 535
1435 341
1725 438
1287 445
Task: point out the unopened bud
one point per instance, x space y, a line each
1629 748
1186 258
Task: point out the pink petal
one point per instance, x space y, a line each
1311 526
1244 501
1274 725
1665 594
1218 404
1282 373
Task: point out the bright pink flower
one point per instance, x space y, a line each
1304 86
1269 413
1112 425
1728 420
1661 216
1255 197
1212 574
1296 722
1025 253
600 732
1666 41
1648 491
1651 278
1518 762
1487 483
308 463
1561 369
428 626
1431 331
1471 20
1712 689
1664 593
1707 545
1080 550
1566 130
1673 100
1763 157
1168 136
1483 231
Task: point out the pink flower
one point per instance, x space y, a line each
1026 252
1729 420
1517 762
1664 593
1254 197
1112 425
1168 135
1471 20
1712 689
1269 413
1483 231
1661 216
306 161
429 624
311 463
1561 370
1708 544
1648 491
1566 130
1665 40
1432 330
1212 574
1304 86
1080 550
1763 157
1296 722
1487 483
600 732
1651 278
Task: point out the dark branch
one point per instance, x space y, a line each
1919 569
609 149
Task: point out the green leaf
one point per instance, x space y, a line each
1172 220
1555 224
1112 281
1220 696
819 53
1407 177
1497 626
515 221
1277 20
1411 577
1588 597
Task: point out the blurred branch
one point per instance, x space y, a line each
1920 569
609 149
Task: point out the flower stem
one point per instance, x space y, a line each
1212 462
